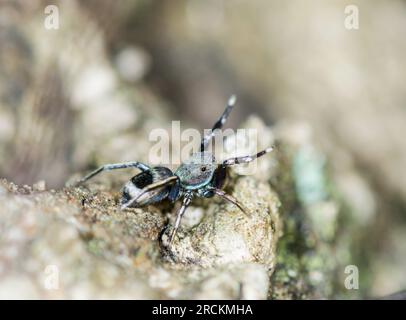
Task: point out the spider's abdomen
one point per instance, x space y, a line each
133 188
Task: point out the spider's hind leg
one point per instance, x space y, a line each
114 166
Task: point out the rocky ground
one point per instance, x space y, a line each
79 240
331 194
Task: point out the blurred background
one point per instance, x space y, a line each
86 93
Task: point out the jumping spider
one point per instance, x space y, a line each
198 176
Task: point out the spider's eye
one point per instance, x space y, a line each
203 169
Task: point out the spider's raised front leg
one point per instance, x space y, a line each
186 201
219 123
246 159
114 166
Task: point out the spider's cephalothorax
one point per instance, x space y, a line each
198 176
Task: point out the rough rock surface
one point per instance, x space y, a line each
77 243
82 92
225 235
